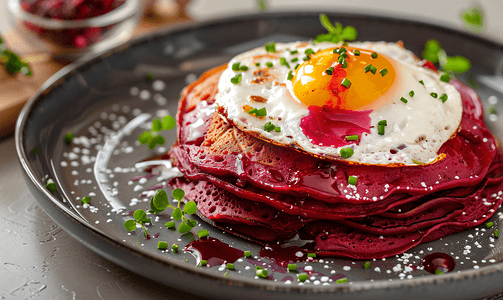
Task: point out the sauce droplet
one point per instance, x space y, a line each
213 251
438 261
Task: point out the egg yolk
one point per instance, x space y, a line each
356 84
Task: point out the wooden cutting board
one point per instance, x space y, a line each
16 90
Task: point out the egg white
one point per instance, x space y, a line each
415 130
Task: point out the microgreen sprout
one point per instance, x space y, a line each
152 137
474 19
450 64
203 233
13 63
337 33
160 202
139 217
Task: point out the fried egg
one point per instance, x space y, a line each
367 102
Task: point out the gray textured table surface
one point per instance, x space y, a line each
40 260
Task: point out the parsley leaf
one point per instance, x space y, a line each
337 33
474 19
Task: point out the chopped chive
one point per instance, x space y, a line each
342 50
292 267
296 66
336 50
367 265
294 52
404 100
346 83
150 76
243 68
306 58
343 55
161 245
374 55
170 224
51 186
497 233
330 71
383 122
283 62
247 253
68 138
269 64
380 129
309 51
302 277
357 52
370 68
443 97
226 274
417 162
342 280
445 78
411 93
270 47
261 273
352 180
421 82
311 254
346 152
261 112
203 262
269 126
353 137
236 79
203 233
258 268
290 75
277 129
235 66
230 266
252 111
438 272
296 59
383 72
257 64
434 95
174 248
344 63
86 200
489 224
492 111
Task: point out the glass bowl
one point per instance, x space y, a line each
70 37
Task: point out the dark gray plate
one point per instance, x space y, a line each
107 102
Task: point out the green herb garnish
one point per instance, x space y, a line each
203 262
342 280
373 55
13 63
311 254
261 273
434 95
152 137
346 83
438 272
383 72
417 162
489 224
443 97
346 152
139 217
174 248
337 33
270 47
353 137
283 62
497 233
269 126
162 245
445 77
203 233
68 138
302 277
451 64
329 71
352 180
269 64
51 186
370 68
290 75
237 79
367 265
411 93
357 52
85 200
292 268
474 19
403 100
380 129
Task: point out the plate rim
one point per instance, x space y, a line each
88 60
